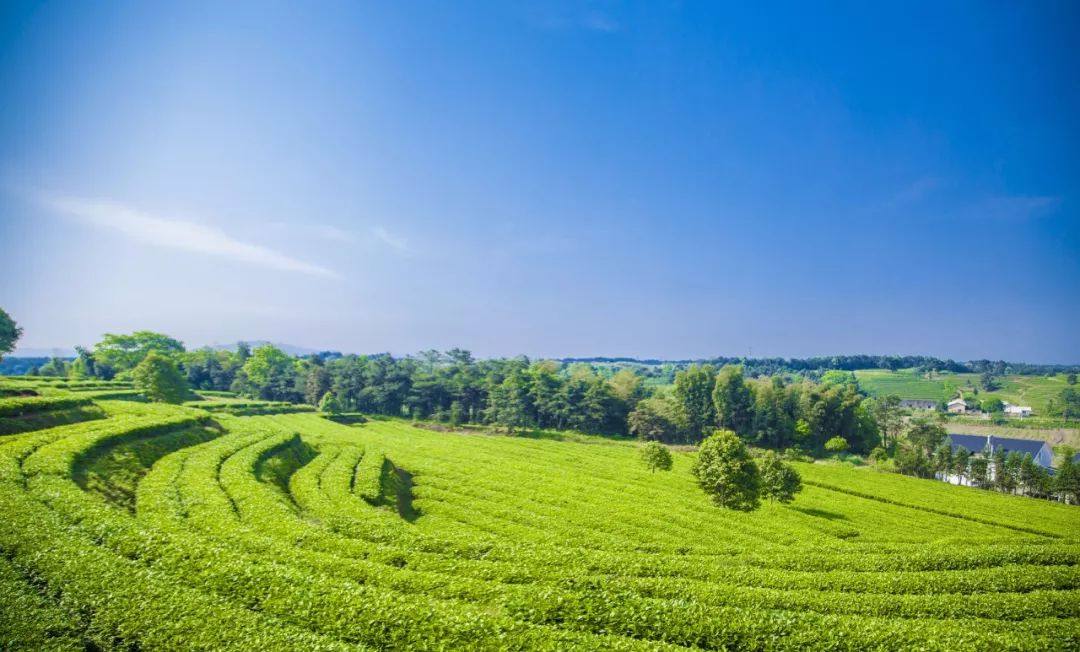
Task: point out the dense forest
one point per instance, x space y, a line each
511 393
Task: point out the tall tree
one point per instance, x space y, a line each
9 333
509 403
926 433
961 461
84 365
122 352
890 420
272 374
1066 483
979 470
654 419
157 377
693 392
1069 402
733 400
773 425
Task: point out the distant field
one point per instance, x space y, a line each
1035 391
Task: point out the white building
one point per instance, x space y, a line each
1017 410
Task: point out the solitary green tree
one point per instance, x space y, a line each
159 380
9 333
656 456
725 471
779 481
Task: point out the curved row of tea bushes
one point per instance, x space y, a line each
384 536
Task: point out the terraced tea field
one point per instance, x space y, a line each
147 527
1035 391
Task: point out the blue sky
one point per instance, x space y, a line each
554 179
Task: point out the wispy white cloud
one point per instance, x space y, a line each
397 243
179 234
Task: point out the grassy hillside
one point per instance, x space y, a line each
1035 391
166 527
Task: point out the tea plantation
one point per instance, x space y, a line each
135 526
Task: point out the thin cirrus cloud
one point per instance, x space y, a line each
179 234
396 243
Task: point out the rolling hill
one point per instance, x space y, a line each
128 525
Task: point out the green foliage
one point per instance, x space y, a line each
838 377
655 419
836 445
509 403
925 433
159 380
693 394
55 367
1068 403
656 456
1066 482
725 471
329 404
256 539
21 405
733 401
779 480
10 332
120 353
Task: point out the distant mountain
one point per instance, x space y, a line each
41 352
254 344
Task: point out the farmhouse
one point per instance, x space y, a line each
957 406
1040 451
1017 410
918 404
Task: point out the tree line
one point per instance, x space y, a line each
511 393
767 412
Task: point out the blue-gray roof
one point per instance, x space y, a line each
976 444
